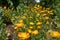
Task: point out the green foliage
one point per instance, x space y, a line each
56 8
2 26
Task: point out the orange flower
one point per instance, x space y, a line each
38 27
19 25
23 35
43 15
55 34
37 8
42 11
35 32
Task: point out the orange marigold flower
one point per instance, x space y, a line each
43 11
23 35
19 25
55 34
43 14
38 27
35 32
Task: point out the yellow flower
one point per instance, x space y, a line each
55 34
43 14
19 25
23 35
29 30
46 17
37 15
42 11
21 21
47 22
4 7
51 13
35 7
35 32
39 23
38 27
15 27
24 17
31 17
38 5
31 23
32 10
31 27
48 11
